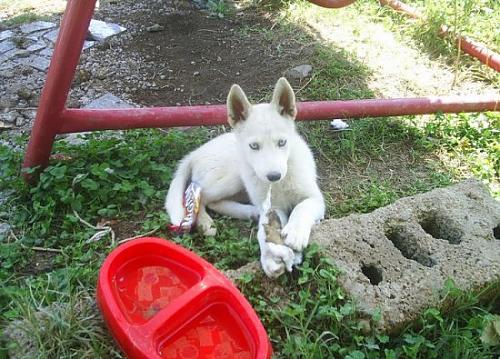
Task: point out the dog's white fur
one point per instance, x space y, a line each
234 166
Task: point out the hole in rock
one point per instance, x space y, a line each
408 245
440 227
496 232
373 273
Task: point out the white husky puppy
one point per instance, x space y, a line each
235 171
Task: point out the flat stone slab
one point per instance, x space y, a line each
100 30
39 45
36 26
38 62
6 34
397 258
6 45
51 35
108 100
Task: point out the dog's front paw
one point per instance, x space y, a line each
296 236
275 259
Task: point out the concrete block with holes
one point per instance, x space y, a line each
397 258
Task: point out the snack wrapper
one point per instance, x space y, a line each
192 199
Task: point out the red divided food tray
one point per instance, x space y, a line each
160 300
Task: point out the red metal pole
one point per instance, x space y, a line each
469 46
333 4
67 51
79 120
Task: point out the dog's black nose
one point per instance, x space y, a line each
274 176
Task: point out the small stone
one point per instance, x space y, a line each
100 30
88 44
37 26
19 121
101 74
196 73
300 72
155 28
76 139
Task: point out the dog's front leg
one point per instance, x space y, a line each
274 258
303 217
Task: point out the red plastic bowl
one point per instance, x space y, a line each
160 300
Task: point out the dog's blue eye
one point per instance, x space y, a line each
281 143
254 146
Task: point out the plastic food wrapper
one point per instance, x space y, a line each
192 199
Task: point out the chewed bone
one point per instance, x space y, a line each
272 222
276 257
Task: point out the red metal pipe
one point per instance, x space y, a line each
79 120
469 46
332 4
399 6
476 49
67 51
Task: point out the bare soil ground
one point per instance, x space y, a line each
193 60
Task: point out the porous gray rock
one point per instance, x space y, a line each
398 258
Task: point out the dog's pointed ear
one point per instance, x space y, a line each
284 99
238 106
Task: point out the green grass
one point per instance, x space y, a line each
115 178
477 20
16 12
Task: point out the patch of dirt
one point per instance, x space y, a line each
194 60
41 262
